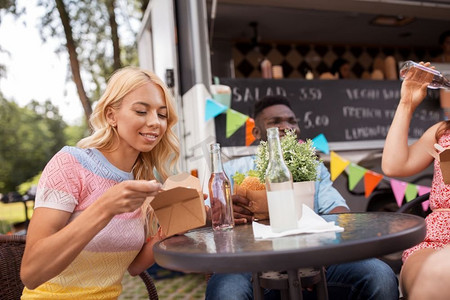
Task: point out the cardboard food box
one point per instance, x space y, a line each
180 207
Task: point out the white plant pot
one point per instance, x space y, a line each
304 194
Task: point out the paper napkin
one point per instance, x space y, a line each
310 222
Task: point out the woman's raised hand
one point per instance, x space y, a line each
414 86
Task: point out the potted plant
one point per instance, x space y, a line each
302 162
300 158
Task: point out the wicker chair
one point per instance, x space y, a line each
11 251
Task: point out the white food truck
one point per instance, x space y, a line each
190 42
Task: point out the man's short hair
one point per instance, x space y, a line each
268 101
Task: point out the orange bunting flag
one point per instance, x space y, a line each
337 165
371 180
249 125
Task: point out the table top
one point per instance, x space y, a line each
365 235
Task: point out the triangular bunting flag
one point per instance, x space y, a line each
398 187
421 191
321 143
213 109
249 125
371 180
425 205
355 173
411 192
337 165
234 121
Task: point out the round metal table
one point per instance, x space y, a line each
365 235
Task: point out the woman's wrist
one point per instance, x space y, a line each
157 237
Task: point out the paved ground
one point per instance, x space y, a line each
190 286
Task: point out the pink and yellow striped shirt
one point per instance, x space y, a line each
72 180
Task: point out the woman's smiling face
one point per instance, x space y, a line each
141 120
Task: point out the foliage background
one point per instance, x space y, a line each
99 37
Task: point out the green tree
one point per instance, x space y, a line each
90 33
75 133
29 137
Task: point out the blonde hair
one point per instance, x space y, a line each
164 156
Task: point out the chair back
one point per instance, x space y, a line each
150 285
11 252
413 203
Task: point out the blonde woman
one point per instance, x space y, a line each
90 222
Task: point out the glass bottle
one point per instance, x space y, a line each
266 68
219 193
283 212
438 81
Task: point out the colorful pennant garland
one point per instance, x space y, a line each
321 143
213 109
371 180
249 125
401 190
235 120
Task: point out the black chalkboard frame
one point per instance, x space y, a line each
352 114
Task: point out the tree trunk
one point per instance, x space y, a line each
73 57
144 4
114 35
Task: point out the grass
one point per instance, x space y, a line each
11 213
180 287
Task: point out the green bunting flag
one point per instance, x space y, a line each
234 121
355 174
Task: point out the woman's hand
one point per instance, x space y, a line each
128 195
414 86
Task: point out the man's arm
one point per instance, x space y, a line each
339 209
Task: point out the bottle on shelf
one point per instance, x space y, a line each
283 210
266 69
438 80
219 193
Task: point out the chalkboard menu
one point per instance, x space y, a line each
347 112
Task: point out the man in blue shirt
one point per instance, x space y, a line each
366 279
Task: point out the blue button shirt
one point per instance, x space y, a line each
326 196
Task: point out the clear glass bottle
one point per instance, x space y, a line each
219 193
266 69
438 81
283 212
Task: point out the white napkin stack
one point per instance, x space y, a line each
310 222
